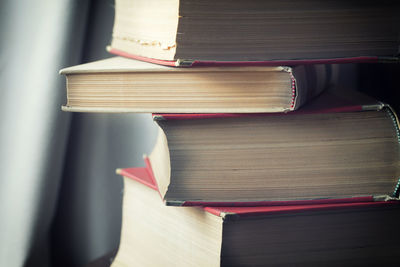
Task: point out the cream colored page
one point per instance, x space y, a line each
146 27
160 162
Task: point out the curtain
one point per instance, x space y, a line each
60 200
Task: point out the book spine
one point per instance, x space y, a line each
395 119
294 92
396 192
308 81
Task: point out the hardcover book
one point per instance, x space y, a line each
190 33
331 148
338 234
125 85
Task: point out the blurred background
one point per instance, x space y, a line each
60 199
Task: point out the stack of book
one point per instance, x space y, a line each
260 160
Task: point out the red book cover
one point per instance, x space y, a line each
145 176
209 63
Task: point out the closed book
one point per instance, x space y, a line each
193 33
337 234
333 148
126 85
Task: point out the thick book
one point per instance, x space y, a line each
333 148
145 176
126 85
339 234
188 32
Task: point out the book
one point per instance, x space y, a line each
331 148
145 176
126 85
340 234
187 32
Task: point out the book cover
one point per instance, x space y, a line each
216 63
